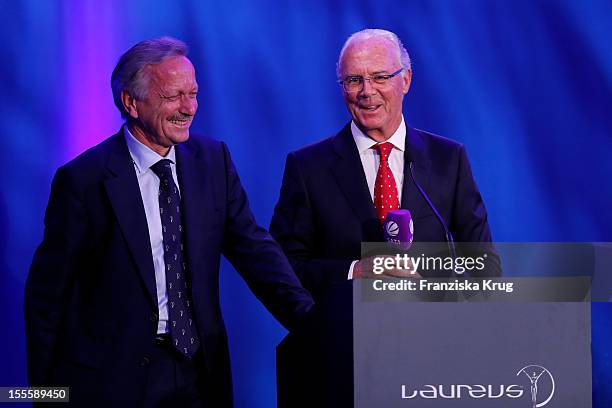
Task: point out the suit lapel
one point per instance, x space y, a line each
125 198
350 177
197 203
415 149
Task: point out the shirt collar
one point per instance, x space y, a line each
364 142
143 156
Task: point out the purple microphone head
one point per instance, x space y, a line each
398 228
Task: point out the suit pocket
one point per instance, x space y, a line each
83 350
74 372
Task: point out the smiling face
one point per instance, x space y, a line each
162 118
376 109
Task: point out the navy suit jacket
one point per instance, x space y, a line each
325 209
90 300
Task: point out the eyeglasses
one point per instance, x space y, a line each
354 83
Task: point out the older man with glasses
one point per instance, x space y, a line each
336 193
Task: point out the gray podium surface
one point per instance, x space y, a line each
471 354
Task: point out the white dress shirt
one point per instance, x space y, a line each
370 160
143 158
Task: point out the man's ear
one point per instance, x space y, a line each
407 78
129 104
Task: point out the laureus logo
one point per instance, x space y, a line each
541 388
537 375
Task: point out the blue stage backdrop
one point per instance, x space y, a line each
526 85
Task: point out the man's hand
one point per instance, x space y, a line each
365 269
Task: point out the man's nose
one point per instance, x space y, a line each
367 89
189 105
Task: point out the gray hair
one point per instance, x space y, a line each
368 33
129 73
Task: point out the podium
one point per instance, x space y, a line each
361 348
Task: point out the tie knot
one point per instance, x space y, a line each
384 149
162 168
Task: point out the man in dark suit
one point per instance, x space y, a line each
336 193
122 298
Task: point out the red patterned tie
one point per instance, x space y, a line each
385 190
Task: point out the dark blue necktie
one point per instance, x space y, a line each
180 317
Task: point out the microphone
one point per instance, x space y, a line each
450 242
399 229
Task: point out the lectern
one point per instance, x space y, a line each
364 347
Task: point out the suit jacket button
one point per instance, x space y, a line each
145 361
154 317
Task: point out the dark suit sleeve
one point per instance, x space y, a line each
470 223
259 259
48 282
293 226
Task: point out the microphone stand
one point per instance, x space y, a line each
450 242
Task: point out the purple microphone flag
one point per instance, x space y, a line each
398 228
